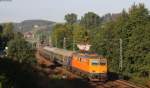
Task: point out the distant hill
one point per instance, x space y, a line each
29 25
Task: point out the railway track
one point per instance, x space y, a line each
114 84
108 84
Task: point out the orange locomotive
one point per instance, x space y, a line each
91 65
87 64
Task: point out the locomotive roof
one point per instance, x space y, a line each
89 55
59 51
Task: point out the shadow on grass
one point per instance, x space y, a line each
23 75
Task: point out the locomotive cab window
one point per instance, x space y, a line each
95 62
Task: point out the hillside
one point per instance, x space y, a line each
29 25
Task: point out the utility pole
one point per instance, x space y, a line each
73 44
64 43
121 58
55 41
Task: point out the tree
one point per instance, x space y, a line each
8 31
133 28
21 50
71 18
90 20
1 30
80 34
18 35
7 34
58 34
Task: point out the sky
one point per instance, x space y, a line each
55 10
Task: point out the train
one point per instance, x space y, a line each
89 65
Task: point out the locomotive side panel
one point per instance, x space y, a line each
97 66
80 64
92 66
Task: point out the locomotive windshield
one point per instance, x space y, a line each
95 62
98 62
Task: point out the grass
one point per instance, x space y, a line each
141 81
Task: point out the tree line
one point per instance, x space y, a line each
132 26
13 48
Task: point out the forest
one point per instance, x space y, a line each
132 26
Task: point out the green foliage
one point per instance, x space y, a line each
58 35
71 18
6 34
1 30
90 20
1 41
18 35
21 50
7 31
80 34
73 34
133 28
18 48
